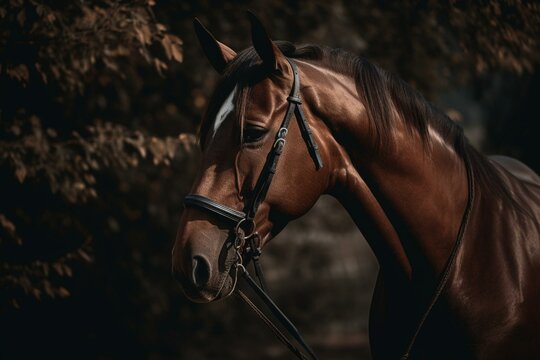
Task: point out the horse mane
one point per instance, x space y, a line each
379 90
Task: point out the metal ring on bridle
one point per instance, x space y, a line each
279 140
239 242
241 267
240 227
282 132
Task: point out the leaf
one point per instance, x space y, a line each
68 271
176 48
79 185
10 228
41 72
15 304
36 293
144 34
6 224
89 19
21 173
19 72
51 132
172 146
21 17
142 151
177 53
63 292
40 10
160 66
172 45
187 140
84 255
48 288
167 46
110 63
59 269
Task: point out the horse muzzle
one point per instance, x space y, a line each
202 265
199 286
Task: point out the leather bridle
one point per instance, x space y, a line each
247 244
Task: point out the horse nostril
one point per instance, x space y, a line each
200 273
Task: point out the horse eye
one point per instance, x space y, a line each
253 134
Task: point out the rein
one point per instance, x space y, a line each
247 242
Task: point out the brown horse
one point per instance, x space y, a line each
457 235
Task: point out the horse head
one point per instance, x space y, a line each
241 134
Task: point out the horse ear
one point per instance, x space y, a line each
270 54
217 53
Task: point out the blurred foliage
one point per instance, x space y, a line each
99 101
51 55
433 44
64 42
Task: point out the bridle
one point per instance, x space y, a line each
266 176
247 243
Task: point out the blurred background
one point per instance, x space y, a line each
99 104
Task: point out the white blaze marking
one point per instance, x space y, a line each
224 111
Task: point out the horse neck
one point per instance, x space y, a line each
408 198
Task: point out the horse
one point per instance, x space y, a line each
456 234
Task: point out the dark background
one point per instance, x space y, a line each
99 101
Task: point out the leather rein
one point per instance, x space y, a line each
247 242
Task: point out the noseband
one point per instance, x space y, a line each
247 243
